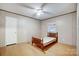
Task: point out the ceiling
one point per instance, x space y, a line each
39 11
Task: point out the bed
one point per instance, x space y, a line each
45 42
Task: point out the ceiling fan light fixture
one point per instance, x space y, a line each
39 12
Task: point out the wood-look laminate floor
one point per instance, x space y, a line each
24 49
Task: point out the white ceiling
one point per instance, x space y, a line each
50 9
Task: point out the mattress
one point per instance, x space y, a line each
47 40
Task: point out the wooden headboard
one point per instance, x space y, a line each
49 34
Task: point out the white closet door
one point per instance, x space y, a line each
11 30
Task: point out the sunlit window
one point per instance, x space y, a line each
52 27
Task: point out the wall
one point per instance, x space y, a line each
26 27
66 27
78 29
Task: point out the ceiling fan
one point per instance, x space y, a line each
39 11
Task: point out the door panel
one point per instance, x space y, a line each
11 30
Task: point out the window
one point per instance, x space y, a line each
52 27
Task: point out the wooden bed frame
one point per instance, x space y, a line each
39 43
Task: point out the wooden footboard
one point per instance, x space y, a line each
37 42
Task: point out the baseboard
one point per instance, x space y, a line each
11 44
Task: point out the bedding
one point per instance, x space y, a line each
48 39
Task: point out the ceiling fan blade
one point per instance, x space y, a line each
27 6
42 6
47 12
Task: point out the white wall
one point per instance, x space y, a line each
26 27
78 29
66 26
